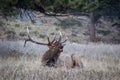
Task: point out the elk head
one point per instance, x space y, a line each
55 46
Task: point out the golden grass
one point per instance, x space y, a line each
28 67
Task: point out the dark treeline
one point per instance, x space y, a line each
101 7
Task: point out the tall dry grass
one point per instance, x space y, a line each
18 66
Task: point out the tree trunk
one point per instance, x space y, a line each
92 28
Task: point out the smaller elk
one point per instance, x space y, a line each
55 46
70 61
75 62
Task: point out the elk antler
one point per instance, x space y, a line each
48 39
50 57
50 43
61 37
31 40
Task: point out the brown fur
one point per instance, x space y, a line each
50 57
75 62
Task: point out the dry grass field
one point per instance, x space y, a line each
18 66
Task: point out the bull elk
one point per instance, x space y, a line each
55 46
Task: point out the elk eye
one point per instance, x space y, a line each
61 47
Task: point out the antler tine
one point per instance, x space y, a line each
60 36
48 39
65 40
53 39
28 37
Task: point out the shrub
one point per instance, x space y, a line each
52 33
103 32
23 34
41 36
67 23
10 32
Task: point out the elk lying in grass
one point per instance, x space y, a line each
55 46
